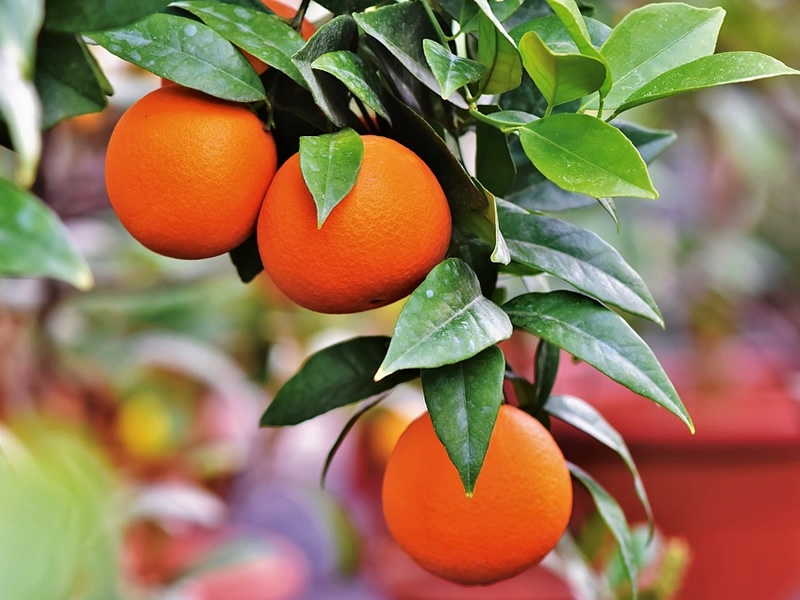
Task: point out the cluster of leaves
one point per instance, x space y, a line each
539 83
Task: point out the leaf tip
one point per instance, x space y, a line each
380 374
85 280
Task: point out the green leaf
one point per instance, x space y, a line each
600 337
451 71
504 120
586 418
19 103
463 400
348 68
556 35
34 241
339 34
612 515
265 36
494 166
486 11
343 435
246 259
333 377
66 78
500 58
649 142
583 154
560 77
707 72
400 28
186 52
545 370
654 39
570 15
69 16
444 321
330 164
579 257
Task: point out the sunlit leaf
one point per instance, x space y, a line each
500 58
444 321
450 70
583 154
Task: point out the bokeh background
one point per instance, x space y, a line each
134 467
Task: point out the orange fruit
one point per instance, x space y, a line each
519 509
376 245
186 173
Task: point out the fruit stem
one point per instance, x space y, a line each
297 20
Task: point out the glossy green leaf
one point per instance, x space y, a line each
654 39
463 400
67 78
70 16
560 77
451 71
444 321
330 164
265 36
556 35
34 241
351 422
500 58
488 14
339 34
400 28
19 103
545 369
614 518
649 142
579 257
707 72
246 259
570 14
505 120
586 418
348 68
186 52
331 378
600 337
583 154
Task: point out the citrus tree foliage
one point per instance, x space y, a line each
542 85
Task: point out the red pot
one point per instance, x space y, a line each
732 489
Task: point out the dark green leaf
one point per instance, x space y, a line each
415 133
451 71
444 321
96 15
579 257
247 260
330 95
66 78
400 28
340 7
343 434
612 515
494 166
348 68
486 11
330 164
585 417
545 369
186 52
649 142
333 377
34 242
561 77
707 72
500 58
583 154
600 337
654 39
265 36
463 400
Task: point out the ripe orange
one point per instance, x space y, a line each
517 514
376 245
186 173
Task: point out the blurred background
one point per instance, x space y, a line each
129 414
